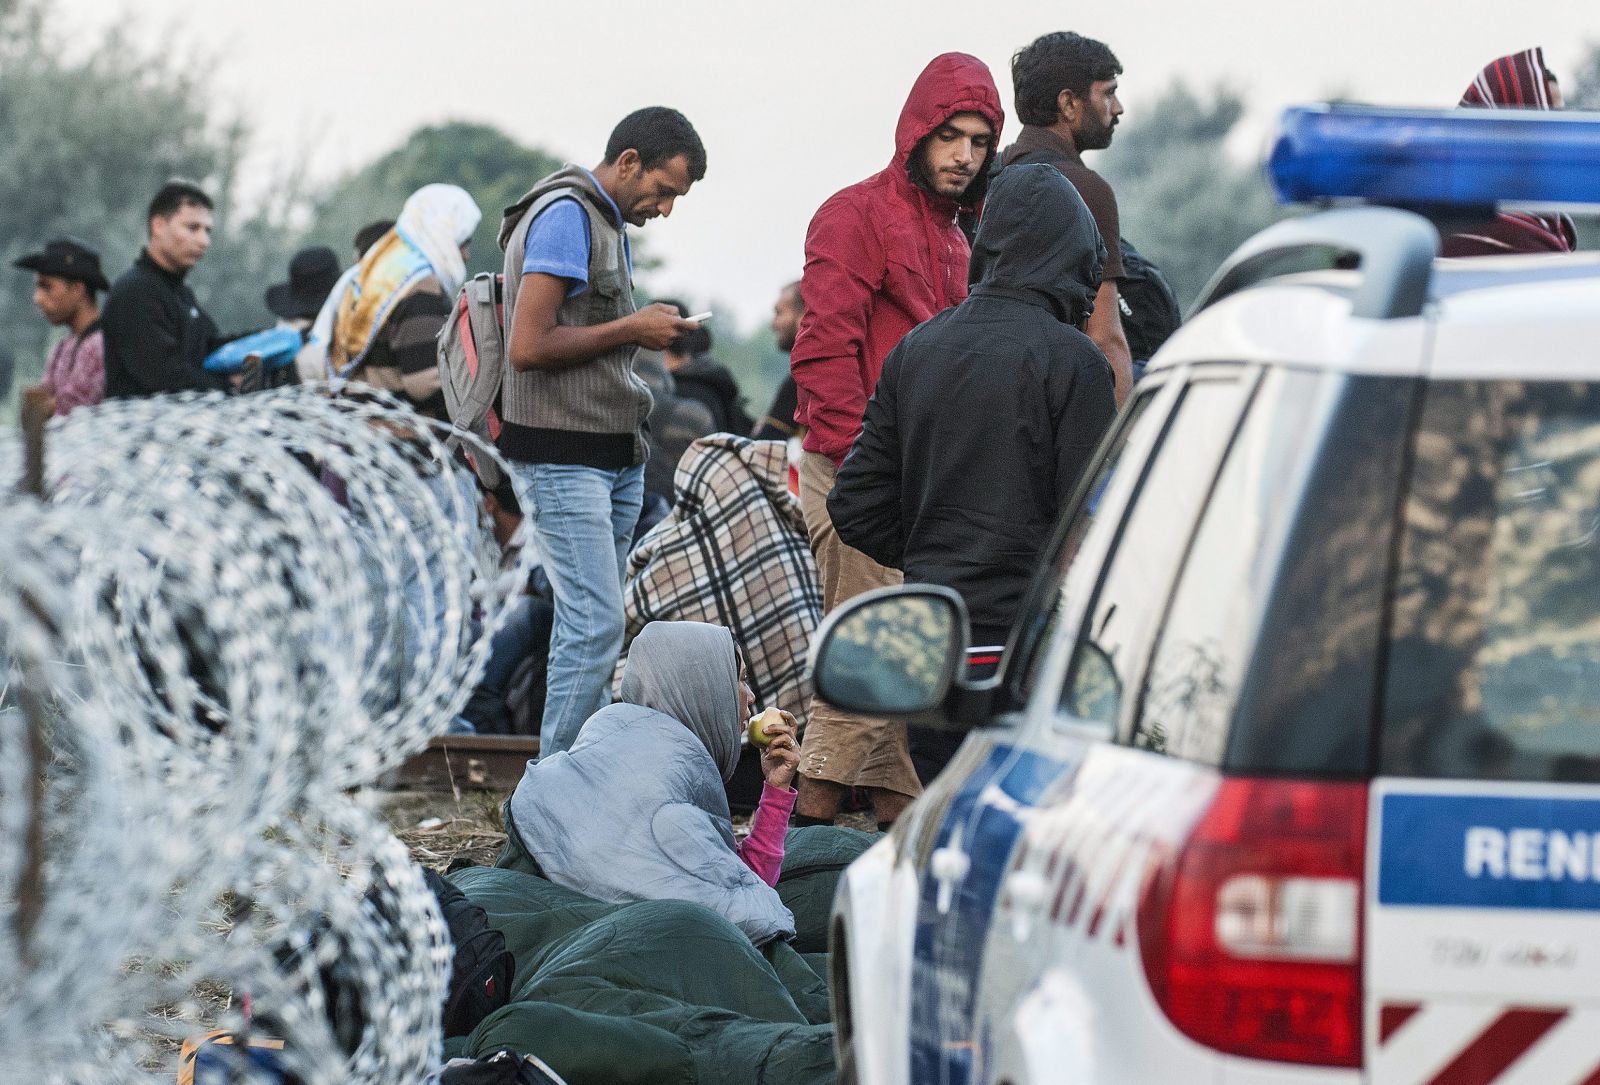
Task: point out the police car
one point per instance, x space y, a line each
1291 772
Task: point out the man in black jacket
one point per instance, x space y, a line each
986 414
156 334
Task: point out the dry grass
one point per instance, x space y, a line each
439 827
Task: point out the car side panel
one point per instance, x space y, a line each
1063 996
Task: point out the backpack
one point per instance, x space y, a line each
482 969
504 1067
1150 312
472 361
473 356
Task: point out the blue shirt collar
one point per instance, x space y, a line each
616 212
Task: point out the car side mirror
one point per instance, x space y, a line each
892 651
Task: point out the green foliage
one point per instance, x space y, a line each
1183 201
1582 91
754 360
486 162
86 138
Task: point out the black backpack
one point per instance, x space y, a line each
482 970
504 1067
1150 311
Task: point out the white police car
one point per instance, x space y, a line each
1292 769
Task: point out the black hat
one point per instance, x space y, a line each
67 259
312 273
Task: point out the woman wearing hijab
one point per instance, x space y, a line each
1518 81
382 321
637 808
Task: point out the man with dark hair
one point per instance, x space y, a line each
157 337
369 234
67 280
573 410
882 256
985 417
1066 94
778 423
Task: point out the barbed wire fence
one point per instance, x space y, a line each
223 620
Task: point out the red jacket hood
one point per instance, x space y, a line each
951 83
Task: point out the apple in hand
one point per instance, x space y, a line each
767 717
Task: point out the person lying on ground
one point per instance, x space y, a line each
637 808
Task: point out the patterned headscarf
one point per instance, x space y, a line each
1517 81
426 240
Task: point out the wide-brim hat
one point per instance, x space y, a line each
66 258
312 273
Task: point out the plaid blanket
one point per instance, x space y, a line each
733 552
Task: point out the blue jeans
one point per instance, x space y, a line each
581 519
525 635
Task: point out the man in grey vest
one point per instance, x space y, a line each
572 409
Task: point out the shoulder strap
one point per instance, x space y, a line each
517 244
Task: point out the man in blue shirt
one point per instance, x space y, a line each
572 408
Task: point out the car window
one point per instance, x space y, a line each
1494 641
1204 645
1132 591
1046 605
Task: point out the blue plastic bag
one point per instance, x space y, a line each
277 347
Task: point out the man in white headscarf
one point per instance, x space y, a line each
382 320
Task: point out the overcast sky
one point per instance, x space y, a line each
793 100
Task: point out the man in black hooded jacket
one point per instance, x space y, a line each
986 414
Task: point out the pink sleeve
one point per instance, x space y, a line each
85 383
762 850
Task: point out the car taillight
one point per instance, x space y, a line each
1251 930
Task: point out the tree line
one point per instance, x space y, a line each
88 133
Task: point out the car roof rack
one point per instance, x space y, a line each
1395 248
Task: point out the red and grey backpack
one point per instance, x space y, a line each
472 361
472 355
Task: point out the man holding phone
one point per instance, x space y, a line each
572 409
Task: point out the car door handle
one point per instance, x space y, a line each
949 866
1027 890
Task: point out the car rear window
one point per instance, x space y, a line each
1493 667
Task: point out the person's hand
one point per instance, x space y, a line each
656 326
47 402
781 759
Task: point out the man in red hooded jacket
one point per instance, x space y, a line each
882 256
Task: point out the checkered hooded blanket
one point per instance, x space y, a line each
733 552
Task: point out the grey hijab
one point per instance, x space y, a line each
689 671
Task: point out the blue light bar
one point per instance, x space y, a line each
1438 157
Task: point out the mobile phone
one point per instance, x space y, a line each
699 318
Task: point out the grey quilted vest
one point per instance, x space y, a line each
592 413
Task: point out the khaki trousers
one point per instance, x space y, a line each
855 751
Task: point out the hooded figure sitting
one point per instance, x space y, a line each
636 809
986 414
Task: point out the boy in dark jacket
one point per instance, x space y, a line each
986 415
